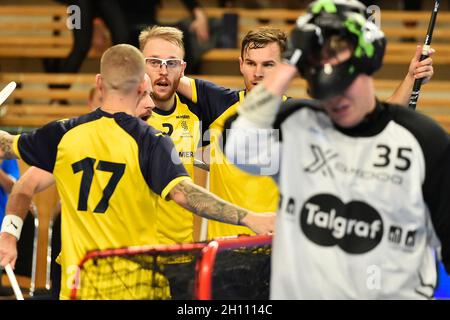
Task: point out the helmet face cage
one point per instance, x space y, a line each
327 19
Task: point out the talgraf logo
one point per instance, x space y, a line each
321 159
355 227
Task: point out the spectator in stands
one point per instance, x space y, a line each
111 14
143 13
411 5
370 2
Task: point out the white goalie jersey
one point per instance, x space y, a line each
360 208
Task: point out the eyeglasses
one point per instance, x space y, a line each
169 63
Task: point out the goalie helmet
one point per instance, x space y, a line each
348 21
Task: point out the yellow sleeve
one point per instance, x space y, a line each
194 91
172 184
15 145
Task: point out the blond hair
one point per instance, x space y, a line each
122 68
261 37
171 34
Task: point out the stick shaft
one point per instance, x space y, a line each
6 92
418 82
13 281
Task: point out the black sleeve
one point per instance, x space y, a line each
436 191
162 163
39 148
213 100
435 144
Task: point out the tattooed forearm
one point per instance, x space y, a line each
6 150
205 204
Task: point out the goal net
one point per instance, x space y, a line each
236 268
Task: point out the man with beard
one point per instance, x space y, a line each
140 14
175 115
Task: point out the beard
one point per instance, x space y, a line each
166 96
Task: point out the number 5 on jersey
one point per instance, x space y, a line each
401 159
87 167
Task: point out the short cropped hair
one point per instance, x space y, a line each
171 34
261 37
122 68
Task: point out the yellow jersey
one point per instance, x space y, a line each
256 193
176 224
111 171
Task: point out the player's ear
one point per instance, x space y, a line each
183 68
241 63
143 84
98 82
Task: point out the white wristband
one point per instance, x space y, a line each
12 224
